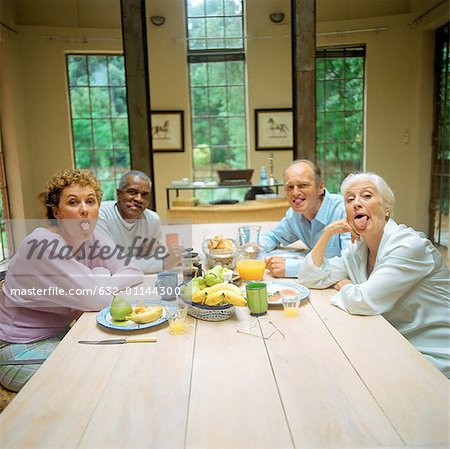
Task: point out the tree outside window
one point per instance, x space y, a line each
98 108
216 59
340 112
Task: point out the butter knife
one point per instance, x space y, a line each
117 341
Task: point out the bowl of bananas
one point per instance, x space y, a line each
209 298
210 313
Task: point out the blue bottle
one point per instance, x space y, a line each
263 175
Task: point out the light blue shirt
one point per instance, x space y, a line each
295 227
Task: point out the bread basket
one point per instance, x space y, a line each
225 257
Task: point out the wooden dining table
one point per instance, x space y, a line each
324 379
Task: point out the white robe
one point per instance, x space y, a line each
409 286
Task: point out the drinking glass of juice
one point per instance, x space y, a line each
177 320
291 305
251 269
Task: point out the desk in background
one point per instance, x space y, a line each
247 211
212 187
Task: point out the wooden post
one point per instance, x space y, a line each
134 37
304 78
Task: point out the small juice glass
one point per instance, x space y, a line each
251 269
177 320
291 305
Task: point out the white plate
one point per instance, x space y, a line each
279 286
105 320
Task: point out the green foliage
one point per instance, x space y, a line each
218 117
340 97
99 117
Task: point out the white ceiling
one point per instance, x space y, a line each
106 13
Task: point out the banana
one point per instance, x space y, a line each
143 315
221 286
215 298
225 295
234 288
199 296
235 299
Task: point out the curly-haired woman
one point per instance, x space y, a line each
56 274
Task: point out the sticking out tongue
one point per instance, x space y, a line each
85 226
298 201
361 222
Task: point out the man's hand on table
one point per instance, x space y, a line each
276 266
341 283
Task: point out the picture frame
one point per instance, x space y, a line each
274 129
168 131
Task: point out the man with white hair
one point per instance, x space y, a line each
312 208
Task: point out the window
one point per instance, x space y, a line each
440 186
340 112
98 107
216 58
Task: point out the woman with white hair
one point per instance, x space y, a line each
389 269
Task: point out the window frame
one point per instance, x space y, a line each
209 56
345 165
441 137
115 152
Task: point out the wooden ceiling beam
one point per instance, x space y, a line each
304 78
134 36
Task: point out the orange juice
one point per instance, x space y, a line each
176 325
251 269
290 312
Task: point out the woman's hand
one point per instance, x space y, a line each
341 227
341 283
276 266
337 227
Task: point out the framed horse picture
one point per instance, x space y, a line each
274 129
168 131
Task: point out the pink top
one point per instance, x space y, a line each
46 288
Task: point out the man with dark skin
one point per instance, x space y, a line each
131 225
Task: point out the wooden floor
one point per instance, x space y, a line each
6 397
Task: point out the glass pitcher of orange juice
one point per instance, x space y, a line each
251 257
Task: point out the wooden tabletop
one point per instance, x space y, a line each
333 381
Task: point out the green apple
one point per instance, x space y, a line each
120 309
